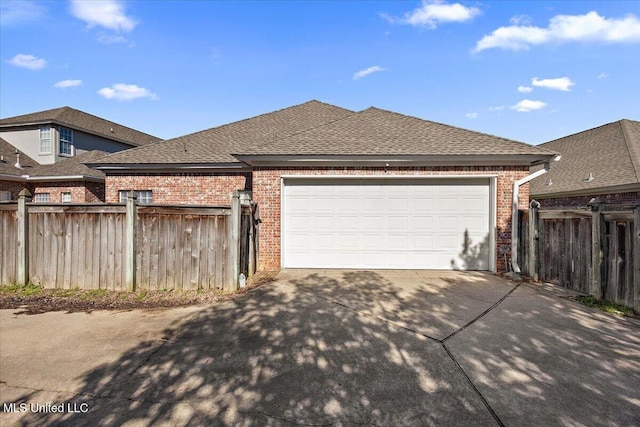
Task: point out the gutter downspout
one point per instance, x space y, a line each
514 214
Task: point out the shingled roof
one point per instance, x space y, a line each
7 164
76 119
598 160
379 132
316 128
71 167
216 145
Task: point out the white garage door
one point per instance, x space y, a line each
386 223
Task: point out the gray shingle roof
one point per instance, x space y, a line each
76 119
379 132
216 145
8 153
609 153
73 166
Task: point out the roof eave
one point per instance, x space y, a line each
65 178
123 168
17 178
624 188
394 160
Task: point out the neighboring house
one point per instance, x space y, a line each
344 189
68 181
601 162
58 141
54 135
13 165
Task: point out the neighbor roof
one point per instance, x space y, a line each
216 145
598 160
379 132
7 164
76 119
71 167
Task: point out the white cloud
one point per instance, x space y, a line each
472 115
108 14
435 12
590 27
498 108
563 83
527 105
363 73
68 83
602 75
29 62
125 92
14 12
524 89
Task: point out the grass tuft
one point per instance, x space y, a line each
608 306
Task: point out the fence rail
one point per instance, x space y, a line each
122 247
595 251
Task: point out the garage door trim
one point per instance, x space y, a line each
491 178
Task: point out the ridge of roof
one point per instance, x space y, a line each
237 122
375 131
221 137
457 127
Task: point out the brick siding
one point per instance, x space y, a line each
581 201
175 189
266 192
81 191
13 187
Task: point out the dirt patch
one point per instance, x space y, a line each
34 300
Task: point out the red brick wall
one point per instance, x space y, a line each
266 191
581 201
194 189
81 191
14 187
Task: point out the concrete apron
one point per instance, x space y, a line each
336 347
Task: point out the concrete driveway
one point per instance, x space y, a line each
332 347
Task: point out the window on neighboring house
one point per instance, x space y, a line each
144 196
41 197
45 139
66 142
65 197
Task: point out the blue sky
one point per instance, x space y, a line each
527 70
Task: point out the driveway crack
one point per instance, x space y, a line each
481 315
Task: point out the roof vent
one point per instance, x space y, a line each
549 183
589 178
18 165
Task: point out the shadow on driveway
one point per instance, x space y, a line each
315 348
278 356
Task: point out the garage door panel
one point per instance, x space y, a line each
386 223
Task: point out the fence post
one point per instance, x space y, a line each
533 239
130 241
597 248
22 257
636 258
234 243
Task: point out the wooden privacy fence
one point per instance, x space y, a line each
595 251
127 247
